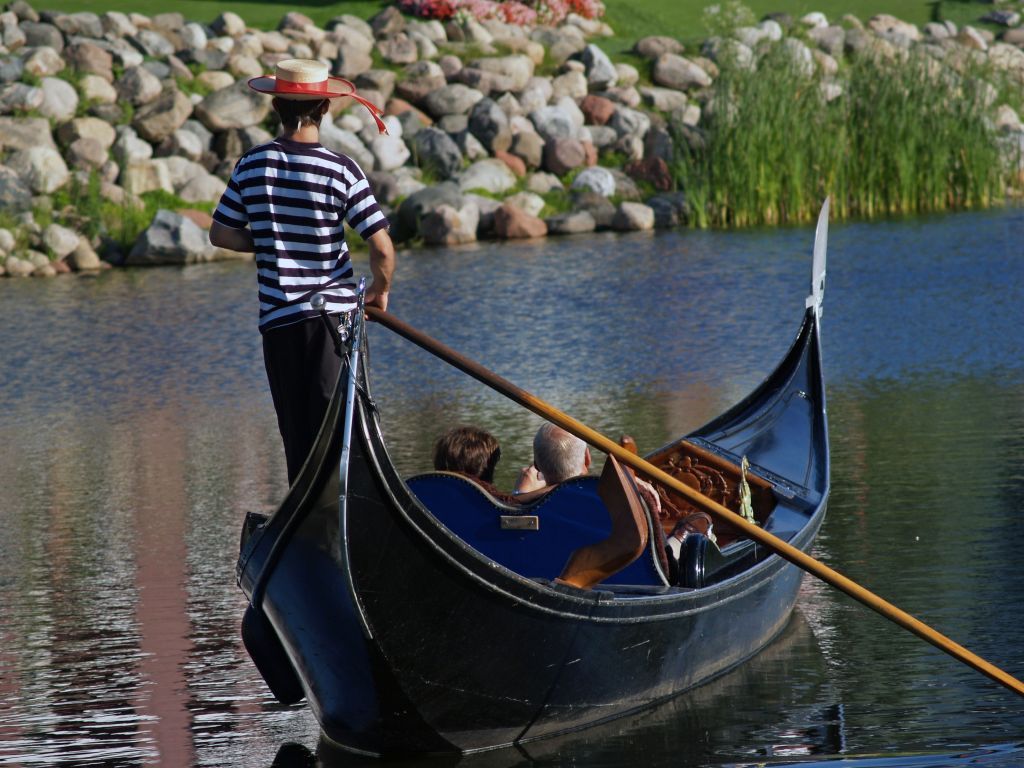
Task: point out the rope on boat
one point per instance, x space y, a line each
746 507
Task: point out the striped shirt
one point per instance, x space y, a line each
294 198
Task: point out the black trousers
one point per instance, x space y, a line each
302 368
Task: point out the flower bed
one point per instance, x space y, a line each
550 12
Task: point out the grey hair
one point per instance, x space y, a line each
557 454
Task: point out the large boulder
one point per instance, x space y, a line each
679 73
446 225
159 119
171 239
418 204
236 106
489 124
436 150
42 167
490 175
15 194
511 223
454 99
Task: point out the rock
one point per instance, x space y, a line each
972 38
436 150
144 176
483 80
560 42
601 73
572 84
19 97
60 99
528 202
87 128
42 35
529 147
542 183
597 110
489 124
655 45
233 107
884 23
670 209
446 225
678 73
598 180
345 142
7 241
24 133
490 175
663 99
631 217
598 206
653 170
129 148
512 223
554 122
829 39
83 258
42 167
389 152
455 99
630 122
574 223
468 144
15 194
170 239
158 120
517 68
151 43
418 204
398 49
60 241
418 81
18 267
11 69
89 58
202 188
563 155
389 21
96 90
87 154
228 25
138 86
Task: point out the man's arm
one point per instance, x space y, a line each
382 267
233 239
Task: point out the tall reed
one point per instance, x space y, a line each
909 135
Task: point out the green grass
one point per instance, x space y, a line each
901 140
631 19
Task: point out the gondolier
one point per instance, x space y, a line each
287 201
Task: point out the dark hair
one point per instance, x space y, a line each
295 113
468 450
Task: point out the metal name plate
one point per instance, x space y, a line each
520 523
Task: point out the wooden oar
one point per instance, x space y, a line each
789 552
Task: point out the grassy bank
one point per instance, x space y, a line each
901 139
631 19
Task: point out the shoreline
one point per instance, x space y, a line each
110 121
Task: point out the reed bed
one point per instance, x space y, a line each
903 137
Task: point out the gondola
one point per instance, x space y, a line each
425 615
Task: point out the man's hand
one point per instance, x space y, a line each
379 300
530 479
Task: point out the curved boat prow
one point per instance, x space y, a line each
818 270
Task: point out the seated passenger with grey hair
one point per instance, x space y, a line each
557 456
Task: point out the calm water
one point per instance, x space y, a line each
136 430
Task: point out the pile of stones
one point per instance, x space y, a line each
494 130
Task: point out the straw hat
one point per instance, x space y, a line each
302 80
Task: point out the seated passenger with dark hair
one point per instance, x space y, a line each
469 451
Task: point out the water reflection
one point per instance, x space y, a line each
136 431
